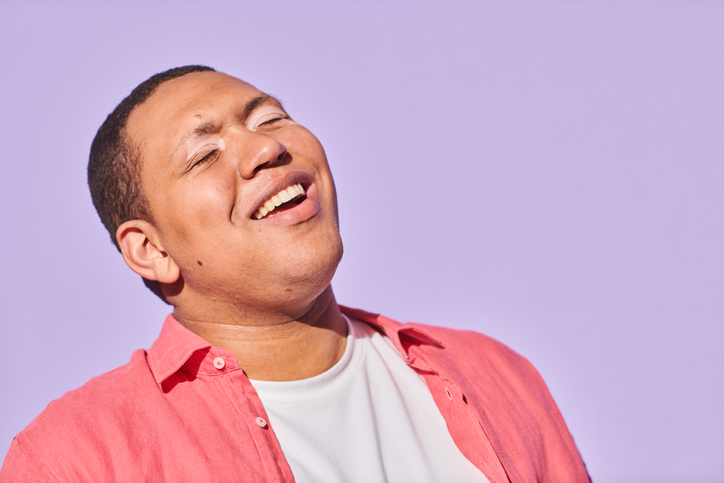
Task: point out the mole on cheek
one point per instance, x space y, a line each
199 262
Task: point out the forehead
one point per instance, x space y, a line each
180 104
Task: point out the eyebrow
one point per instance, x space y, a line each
202 130
256 102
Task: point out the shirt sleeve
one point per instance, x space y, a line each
24 464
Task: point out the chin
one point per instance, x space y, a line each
311 270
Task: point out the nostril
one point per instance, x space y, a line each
283 158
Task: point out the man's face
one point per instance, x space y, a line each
216 155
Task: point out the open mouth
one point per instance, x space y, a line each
285 199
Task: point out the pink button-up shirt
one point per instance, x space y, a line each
185 411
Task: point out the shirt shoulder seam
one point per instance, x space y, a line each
35 450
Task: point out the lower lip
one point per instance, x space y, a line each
291 216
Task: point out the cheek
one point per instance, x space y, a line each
201 205
308 147
304 143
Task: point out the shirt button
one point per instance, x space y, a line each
219 363
449 394
260 421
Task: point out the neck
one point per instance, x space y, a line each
278 346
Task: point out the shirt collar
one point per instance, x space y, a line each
392 329
176 344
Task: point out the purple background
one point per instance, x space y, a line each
550 175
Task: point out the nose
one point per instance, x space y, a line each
260 152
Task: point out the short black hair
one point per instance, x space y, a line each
114 164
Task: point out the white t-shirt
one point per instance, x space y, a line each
369 418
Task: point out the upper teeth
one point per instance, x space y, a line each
278 199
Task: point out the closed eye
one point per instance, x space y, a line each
272 120
266 116
202 158
268 122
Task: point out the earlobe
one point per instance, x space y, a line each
143 252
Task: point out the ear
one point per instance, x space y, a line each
143 252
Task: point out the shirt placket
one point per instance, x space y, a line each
463 421
243 397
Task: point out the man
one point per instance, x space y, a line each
227 209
